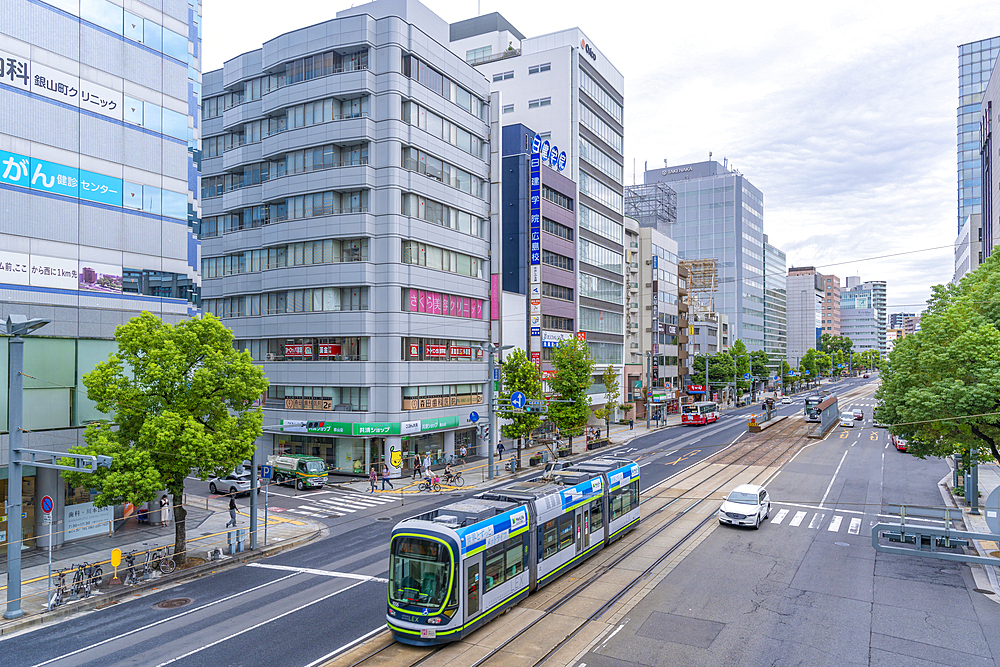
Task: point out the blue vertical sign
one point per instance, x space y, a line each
535 206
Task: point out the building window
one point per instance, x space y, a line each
557 198
434 303
441 349
442 129
423 254
540 102
339 399
416 69
558 261
428 165
306 349
535 69
508 108
603 321
562 231
473 56
557 292
502 76
441 396
557 323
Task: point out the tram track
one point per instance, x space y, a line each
408 656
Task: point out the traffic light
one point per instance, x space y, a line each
311 425
103 461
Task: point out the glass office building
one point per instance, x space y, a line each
720 214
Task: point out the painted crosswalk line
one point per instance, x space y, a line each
855 527
835 523
797 519
817 521
779 517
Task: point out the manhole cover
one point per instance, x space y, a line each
842 544
982 590
383 518
172 603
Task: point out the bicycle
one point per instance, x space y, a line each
429 486
163 560
454 480
455 460
130 579
76 587
94 574
56 598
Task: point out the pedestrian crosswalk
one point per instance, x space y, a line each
338 503
816 520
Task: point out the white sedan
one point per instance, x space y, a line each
746 505
847 419
232 484
786 400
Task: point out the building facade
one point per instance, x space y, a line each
720 215
896 319
870 325
975 63
98 184
989 173
346 233
806 291
566 90
831 305
775 306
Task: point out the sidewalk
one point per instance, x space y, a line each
989 479
206 519
475 471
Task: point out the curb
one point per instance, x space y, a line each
209 567
944 488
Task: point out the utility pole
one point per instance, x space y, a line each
492 350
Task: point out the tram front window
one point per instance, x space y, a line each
419 572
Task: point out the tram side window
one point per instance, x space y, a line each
494 570
634 495
517 554
596 516
550 539
617 502
566 538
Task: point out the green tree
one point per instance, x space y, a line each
810 362
786 380
611 391
742 361
720 370
574 366
182 400
941 385
759 364
829 343
520 374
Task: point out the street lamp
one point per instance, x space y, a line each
17 326
492 349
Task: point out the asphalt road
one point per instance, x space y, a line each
808 588
297 607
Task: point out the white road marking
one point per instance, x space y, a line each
797 519
855 527
258 625
346 646
617 630
161 621
817 521
779 517
322 573
835 523
830 486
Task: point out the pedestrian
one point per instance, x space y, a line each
416 466
631 423
373 478
500 449
164 510
463 451
232 511
385 477
427 462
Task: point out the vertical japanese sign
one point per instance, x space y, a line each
535 227
536 359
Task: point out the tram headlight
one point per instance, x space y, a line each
392 612
434 621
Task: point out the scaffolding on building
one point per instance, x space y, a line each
702 281
652 205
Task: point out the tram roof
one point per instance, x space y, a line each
601 464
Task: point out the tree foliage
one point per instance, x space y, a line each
810 362
611 391
520 374
720 370
759 364
829 343
941 385
182 400
742 361
574 367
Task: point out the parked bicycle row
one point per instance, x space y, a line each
87 578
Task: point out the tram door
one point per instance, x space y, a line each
586 528
472 601
579 532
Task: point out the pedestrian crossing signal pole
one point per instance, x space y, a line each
492 386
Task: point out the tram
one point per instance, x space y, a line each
456 568
812 411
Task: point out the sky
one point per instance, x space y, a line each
843 114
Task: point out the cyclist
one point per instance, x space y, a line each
448 474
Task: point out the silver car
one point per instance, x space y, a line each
232 484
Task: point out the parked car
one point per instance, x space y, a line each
858 413
847 419
746 505
232 484
899 443
866 376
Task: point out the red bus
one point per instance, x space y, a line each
703 412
